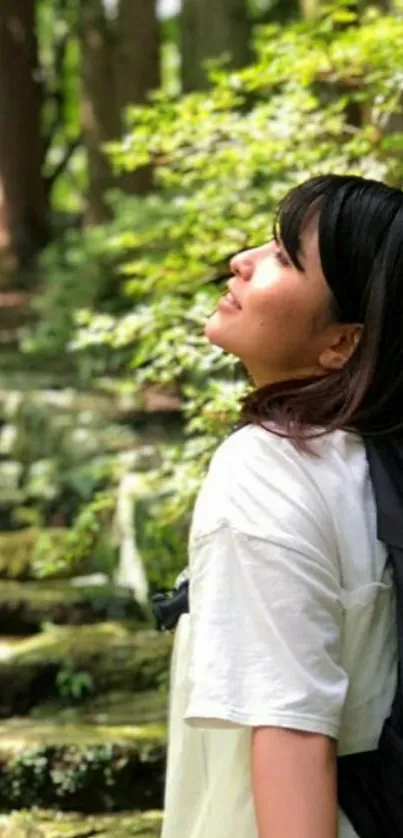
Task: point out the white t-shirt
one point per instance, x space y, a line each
291 622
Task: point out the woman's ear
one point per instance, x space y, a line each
341 346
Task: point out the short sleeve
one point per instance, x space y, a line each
265 605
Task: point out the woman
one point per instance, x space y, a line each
288 655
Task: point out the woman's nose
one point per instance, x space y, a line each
242 264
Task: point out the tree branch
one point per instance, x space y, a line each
64 162
58 96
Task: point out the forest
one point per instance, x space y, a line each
142 144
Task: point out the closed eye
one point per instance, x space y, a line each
280 254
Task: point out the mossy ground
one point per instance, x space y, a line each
84 706
81 766
118 707
57 825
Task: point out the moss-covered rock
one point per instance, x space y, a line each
23 552
17 550
60 825
112 656
87 767
26 606
118 707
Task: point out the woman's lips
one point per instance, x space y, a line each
229 302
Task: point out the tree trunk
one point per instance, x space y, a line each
309 8
23 204
99 112
120 66
211 28
137 69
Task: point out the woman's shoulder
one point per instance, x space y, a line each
258 478
256 448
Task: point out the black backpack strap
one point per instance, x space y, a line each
385 459
370 785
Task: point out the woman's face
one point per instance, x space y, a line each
276 318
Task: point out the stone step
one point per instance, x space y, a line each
118 707
85 767
25 553
61 825
71 663
26 606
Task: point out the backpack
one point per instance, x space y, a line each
370 784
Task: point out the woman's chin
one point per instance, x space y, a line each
213 329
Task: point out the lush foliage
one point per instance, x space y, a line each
322 97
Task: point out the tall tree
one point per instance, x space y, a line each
211 28
23 202
120 66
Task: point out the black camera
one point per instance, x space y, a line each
169 606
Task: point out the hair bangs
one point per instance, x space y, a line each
296 211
